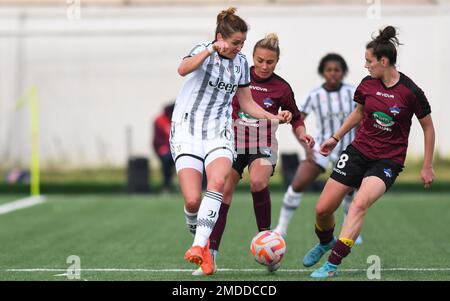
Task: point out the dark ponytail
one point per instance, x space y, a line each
385 45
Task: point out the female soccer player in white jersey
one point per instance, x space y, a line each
331 103
386 100
202 134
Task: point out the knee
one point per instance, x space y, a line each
227 196
192 203
216 183
323 211
257 185
359 206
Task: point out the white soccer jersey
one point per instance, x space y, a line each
205 98
331 108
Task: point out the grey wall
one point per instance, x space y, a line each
116 67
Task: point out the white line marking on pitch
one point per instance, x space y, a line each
220 270
22 203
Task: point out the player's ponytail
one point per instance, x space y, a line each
228 23
269 42
385 44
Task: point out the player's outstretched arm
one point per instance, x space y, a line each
249 106
306 140
427 172
352 120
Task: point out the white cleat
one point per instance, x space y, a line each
359 240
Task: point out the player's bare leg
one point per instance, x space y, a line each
329 200
216 173
190 181
372 188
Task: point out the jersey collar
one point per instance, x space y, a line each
332 90
258 79
396 84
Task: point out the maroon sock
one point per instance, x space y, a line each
339 251
262 207
219 227
325 236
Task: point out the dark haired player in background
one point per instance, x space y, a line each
331 103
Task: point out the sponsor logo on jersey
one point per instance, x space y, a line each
246 117
268 102
387 95
388 172
220 85
262 89
394 110
383 119
340 115
340 171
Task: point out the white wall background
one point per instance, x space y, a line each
116 67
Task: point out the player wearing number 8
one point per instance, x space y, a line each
386 102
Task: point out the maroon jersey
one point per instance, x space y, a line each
384 129
271 94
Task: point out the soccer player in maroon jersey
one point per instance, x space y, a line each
386 102
255 139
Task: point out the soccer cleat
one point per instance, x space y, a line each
199 271
208 265
194 255
325 271
272 268
314 255
359 240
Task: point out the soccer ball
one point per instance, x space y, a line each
268 247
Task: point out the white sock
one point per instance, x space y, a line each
213 254
291 201
191 220
207 217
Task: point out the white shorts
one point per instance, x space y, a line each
191 151
323 161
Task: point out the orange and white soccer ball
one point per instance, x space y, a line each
268 247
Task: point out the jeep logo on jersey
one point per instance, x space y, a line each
383 119
229 88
